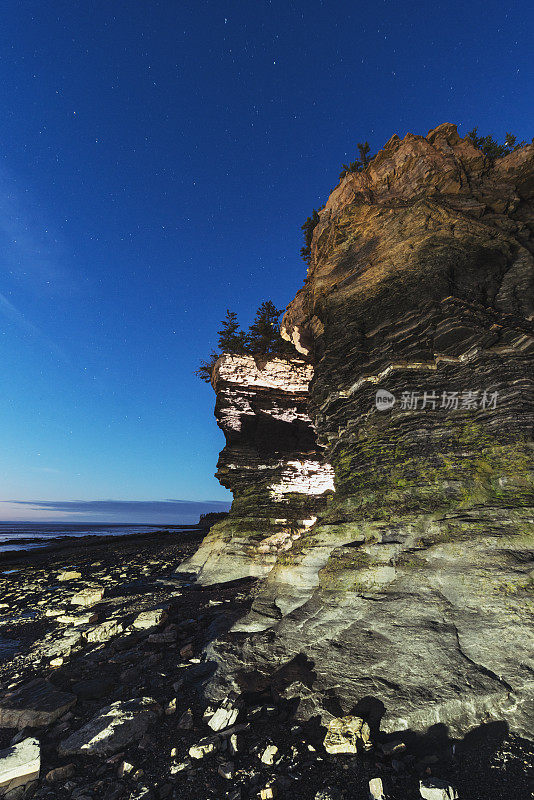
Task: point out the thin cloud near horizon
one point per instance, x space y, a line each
143 511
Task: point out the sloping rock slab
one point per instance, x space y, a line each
20 765
34 705
115 727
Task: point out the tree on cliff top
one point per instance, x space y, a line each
205 369
231 338
264 333
307 228
490 148
262 338
359 164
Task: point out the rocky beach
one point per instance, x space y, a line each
360 625
103 696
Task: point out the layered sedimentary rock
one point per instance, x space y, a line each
271 463
411 596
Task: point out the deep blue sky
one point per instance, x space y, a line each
156 162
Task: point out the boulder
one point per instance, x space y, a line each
69 575
20 765
103 632
376 789
436 789
78 619
115 727
225 715
87 597
34 705
150 619
61 774
204 747
342 735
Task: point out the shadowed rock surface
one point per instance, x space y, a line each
411 596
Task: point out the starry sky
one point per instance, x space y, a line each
157 160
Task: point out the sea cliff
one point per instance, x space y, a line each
410 596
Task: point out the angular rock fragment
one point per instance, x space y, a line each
115 726
268 756
69 575
342 735
34 705
226 770
20 765
225 715
436 789
78 619
204 747
61 774
87 597
376 789
150 619
185 723
104 631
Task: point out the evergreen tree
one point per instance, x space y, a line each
359 164
364 150
308 228
205 370
264 333
231 338
490 148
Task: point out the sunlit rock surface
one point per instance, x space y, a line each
411 596
271 463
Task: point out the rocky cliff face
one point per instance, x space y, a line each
412 593
271 463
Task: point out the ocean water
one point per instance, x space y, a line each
31 535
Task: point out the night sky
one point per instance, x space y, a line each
157 160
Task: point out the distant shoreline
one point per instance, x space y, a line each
63 543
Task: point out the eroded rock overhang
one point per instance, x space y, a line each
271 463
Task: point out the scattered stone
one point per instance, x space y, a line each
267 793
150 619
61 774
233 744
204 747
376 789
167 637
34 705
436 789
78 619
395 747
342 734
69 575
226 770
185 723
115 726
125 768
57 662
180 767
170 708
87 597
104 632
186 652
365 736
226 714
269 754
20 765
